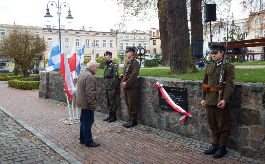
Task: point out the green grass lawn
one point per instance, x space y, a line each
250 63
242 75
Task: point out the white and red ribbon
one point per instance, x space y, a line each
172 103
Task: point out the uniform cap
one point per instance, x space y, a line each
216 46
130 49
108 53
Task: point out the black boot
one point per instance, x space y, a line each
113 117
124 125
131 124
107 118
220 152
211 150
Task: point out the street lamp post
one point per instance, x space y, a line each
58 6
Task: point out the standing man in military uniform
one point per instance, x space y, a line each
110 84
218 113
130 86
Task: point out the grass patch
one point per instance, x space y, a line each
242 75
250 63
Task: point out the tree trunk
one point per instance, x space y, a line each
163 32
179 42
196 20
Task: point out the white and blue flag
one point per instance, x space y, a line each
55 57
80 58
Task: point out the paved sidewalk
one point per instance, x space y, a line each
118 144
18 145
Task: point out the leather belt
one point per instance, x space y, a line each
108 77
215 89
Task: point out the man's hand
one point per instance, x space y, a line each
123 85
93 109
203 103
221 104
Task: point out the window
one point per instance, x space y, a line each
154 34
48 26
77 42
38 34
27 32
127 45
263 33
256 34
97 43
104 43
243 28
154 42
50 42
111 43
257 21
66 42
154 50
121 46
134 44
3 33
87 42
62 26
145 46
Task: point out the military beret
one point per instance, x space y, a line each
130 49
216 46
108 53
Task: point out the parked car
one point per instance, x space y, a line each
148 56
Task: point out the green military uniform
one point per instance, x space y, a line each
132 87
218 119
111 83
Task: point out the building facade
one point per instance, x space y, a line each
133 39
96 43
5 29
155 42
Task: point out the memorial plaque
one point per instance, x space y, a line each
178 95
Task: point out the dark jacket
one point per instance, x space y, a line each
211 77
86 90
132 82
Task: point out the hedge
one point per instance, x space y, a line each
25 85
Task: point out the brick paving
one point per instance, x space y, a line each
17 145
119 145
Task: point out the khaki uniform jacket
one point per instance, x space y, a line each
132 82
86 90
211 77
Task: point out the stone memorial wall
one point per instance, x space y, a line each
247 110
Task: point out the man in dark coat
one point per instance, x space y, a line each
130 85
86 100
218 113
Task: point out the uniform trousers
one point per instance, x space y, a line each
219 121
111 100
131 100
86 122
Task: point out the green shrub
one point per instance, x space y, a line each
150 63
25 85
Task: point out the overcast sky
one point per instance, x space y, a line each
102 15
99 14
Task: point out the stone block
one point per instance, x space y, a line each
255 100
250 117
255 144
245 94
257 133
256 88
243 137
